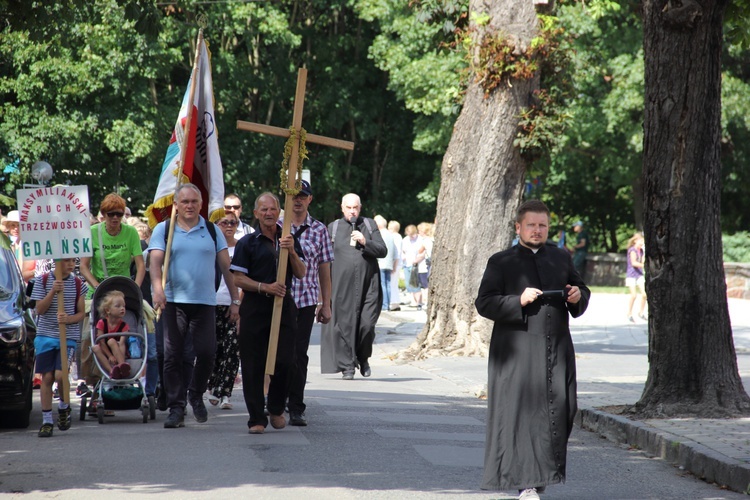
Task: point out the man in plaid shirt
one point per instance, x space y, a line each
312 294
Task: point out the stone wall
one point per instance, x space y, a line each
605 269
608 269
738 279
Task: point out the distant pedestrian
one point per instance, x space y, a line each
47 341
412 254
532 372
387 264
394 227
634 277
227 361
425 266
581 248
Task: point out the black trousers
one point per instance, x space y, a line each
305 320
189 350
255 329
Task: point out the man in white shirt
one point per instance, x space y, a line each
232 204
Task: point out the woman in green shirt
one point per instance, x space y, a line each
114 246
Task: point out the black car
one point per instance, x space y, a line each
17 331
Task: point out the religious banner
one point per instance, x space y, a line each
54 222
202 162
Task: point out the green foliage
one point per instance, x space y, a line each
94 88
585 132
422 72
736 247
543 124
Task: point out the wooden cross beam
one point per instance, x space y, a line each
299 103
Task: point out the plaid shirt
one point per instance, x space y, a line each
318 249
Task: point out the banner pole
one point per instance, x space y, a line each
183 153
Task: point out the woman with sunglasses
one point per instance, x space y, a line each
115 245
227 361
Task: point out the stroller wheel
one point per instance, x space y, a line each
82 415
152 407
144 412
100 413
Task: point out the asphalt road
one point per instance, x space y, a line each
404 433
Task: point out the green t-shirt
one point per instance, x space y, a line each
118 251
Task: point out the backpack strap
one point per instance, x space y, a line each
367 225
211 228
334 229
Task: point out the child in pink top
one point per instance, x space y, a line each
111 352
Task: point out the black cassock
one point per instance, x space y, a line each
532 370
357 298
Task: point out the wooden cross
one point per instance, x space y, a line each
299 103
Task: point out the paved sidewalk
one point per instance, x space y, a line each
611 355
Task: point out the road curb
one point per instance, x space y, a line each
693 457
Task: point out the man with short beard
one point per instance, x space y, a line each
532 373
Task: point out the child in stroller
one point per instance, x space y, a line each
111 352
125 392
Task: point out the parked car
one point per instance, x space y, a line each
17 331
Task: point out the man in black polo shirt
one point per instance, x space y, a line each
254 265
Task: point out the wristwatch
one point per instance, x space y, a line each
236 302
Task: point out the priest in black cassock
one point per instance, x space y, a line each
346 341
532 372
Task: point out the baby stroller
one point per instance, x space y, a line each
125 393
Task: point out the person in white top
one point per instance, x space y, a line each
233 205
394 227
227 361
412 253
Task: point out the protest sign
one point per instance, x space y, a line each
54 222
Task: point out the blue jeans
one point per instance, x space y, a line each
385 284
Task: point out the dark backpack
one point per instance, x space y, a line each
212 231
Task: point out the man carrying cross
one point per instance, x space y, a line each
255 263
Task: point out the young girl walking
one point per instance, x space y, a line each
112 351
47 341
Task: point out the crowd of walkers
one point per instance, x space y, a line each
199 350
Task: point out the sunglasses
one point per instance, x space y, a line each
115 214
232 207
228 223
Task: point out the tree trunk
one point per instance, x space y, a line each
692 361
482 178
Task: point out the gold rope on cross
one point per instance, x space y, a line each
301 156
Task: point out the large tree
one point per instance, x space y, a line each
692 360
482 175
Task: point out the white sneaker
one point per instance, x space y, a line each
528 494
225 403
213 399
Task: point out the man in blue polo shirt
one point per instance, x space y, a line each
188 303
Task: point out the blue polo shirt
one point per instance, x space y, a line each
190 279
